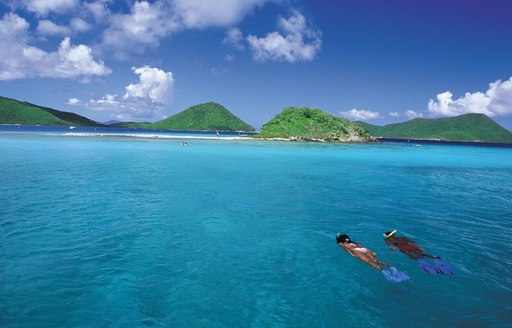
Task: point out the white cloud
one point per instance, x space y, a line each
145 100
73 61
413 114
98 9
206 13
300 42
73 101
44 7
148 23
218 71
13 27
234 38
496 101
79 25
394 114
154 84
145 25
230 58
360 115
47 27
106 101
21 60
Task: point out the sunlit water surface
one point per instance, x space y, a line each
125 232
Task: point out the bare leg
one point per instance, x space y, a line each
372 261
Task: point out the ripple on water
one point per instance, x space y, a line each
129 233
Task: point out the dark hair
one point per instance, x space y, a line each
342 239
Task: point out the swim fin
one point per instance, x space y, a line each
426 267
393 275
442 266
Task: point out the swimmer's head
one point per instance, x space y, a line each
389 234
342 238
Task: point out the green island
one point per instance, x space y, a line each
203 117
293 123
465 128
311 124
17 112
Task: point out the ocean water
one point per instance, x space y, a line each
132 232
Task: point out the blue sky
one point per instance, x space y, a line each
377 61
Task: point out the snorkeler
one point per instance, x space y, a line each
370 258
361 252
414 251
405 245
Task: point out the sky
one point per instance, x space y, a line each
378 61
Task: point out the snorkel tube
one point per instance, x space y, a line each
389 234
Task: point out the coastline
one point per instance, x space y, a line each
313 140
143 136
210 135
65 131
164 136
445 142
248 138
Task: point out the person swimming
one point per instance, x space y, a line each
361 252
414 251
405 245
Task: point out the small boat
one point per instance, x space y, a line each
72 127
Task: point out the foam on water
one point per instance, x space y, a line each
141 232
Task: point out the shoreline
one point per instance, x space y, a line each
191 136
445 142
292 140
141 135
165 136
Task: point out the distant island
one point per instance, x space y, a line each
203 117
293 123
311 124
464 128
19 112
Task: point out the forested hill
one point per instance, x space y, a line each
468 127
310 124
17 112
208 116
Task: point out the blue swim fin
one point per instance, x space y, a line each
426 267
442 266
393 275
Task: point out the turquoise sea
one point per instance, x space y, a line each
133 232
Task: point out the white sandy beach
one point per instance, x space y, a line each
146 136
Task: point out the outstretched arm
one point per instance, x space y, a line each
391 246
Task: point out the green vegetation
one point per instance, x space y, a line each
310 124
203 117
69 117
292 123
468 127
209 116
17 112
